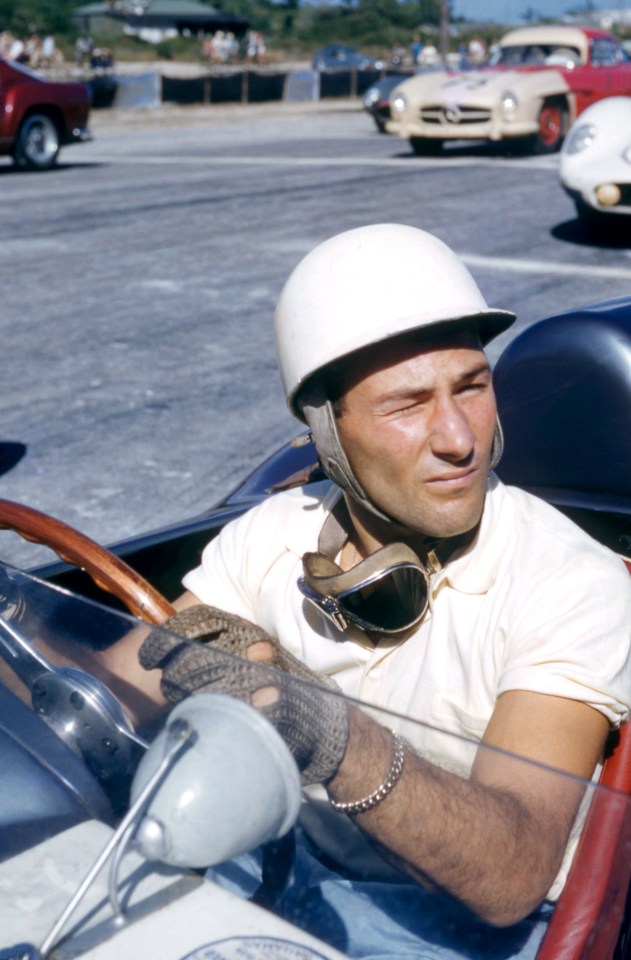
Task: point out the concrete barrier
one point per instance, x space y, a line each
302 85
139 91
240 86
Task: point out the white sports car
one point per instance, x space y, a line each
595 163
535 85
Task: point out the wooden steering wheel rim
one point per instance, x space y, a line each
107 570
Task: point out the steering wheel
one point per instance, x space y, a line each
79 707
88 740
107 570
62 773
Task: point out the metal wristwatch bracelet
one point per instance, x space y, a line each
374 798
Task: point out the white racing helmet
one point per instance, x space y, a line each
359 288
366 285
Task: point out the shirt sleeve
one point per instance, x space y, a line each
245 568
572 637
221 580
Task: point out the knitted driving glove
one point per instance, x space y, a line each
309 716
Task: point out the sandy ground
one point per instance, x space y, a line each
172 114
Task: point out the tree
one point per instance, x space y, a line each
430 11
42 16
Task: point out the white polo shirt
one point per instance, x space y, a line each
533 604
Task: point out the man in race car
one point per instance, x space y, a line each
415 581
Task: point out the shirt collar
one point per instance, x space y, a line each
476 569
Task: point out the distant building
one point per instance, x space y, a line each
605 19
154 19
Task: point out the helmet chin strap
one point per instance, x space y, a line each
318 411
498 444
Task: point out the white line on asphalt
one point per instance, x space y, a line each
545 266
410 164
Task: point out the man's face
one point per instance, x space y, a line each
417 424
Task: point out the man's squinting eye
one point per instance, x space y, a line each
406 405
476 386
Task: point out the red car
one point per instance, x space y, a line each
37 117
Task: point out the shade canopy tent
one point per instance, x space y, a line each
183 16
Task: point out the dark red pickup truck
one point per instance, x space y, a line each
37 116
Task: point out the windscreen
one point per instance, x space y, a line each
54 778
531 54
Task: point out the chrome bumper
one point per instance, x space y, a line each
81 135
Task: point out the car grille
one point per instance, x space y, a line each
451 114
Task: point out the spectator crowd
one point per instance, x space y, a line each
35 51
223 47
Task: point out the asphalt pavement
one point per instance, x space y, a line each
139 382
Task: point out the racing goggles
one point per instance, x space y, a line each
387 593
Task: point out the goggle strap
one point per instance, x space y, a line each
336 530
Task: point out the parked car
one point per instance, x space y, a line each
67 749
38 116
536 83
595 162
376 99
338 56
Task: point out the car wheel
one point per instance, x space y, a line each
552 127
37 144
424 147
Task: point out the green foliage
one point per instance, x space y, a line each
429 11
290 27
176 48
41 16
367 18
371 24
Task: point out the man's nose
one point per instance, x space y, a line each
451 435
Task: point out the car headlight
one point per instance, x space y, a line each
398 103
371 97
608 194
580 138
509 102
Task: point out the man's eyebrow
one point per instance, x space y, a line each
472 372
407 391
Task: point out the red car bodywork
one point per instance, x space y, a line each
604 74
23 94
538 80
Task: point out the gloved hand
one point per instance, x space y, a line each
311 720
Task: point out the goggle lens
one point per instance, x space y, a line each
397 601
389 598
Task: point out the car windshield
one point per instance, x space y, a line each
531 54
344 53
69 773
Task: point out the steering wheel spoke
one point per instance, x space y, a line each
75 704
108 571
